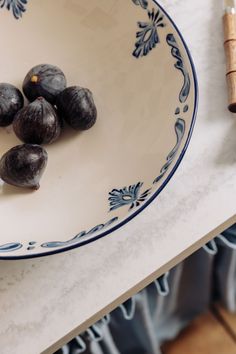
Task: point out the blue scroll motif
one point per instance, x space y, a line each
184 93
10 247
179 130
54 244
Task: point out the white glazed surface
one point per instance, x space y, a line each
48 298
135 132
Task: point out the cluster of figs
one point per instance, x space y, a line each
41 121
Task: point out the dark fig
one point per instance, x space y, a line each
38 123
77 107
23 165
44 80
11 101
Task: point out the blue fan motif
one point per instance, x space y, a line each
16 6
143 3
148 37
128 196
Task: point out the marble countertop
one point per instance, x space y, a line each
45 302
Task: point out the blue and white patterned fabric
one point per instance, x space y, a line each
159 312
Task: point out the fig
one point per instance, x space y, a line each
77 107
23 165
11 101
37 123
44 80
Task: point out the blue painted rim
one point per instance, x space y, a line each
149 201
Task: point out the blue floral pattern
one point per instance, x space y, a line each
147 37
131 196
16 6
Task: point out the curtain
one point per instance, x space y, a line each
159 312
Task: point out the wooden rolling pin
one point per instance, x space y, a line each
229 23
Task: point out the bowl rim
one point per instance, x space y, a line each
158 191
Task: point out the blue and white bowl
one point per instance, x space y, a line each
133 58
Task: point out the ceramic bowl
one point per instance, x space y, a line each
131 55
